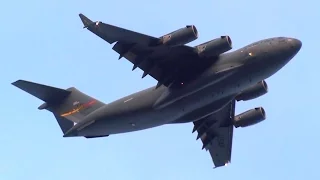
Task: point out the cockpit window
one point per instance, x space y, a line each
256 43
282 39
263 41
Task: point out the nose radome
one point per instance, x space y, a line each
294 44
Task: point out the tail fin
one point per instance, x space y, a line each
69 106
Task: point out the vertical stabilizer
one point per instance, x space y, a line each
69 106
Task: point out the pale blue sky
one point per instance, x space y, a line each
43 41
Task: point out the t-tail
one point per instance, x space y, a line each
69 106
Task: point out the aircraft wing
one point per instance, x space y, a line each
216 134
169 65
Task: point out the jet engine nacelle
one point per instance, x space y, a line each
249 117
253 92
180 37
214 47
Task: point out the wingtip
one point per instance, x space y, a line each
85 20
15 83
81 16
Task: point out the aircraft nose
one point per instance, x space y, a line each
295 44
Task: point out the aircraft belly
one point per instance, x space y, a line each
204 111
130 122
122 119
170 97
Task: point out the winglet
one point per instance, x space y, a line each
86 21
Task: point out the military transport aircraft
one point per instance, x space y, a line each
198 84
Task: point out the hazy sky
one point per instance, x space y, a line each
43 41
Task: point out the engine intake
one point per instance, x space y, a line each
214 47
253 92
180 37
249 117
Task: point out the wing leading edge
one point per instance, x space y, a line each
216 134
171 66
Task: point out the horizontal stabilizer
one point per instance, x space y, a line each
46 93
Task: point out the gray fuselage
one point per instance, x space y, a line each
232 73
